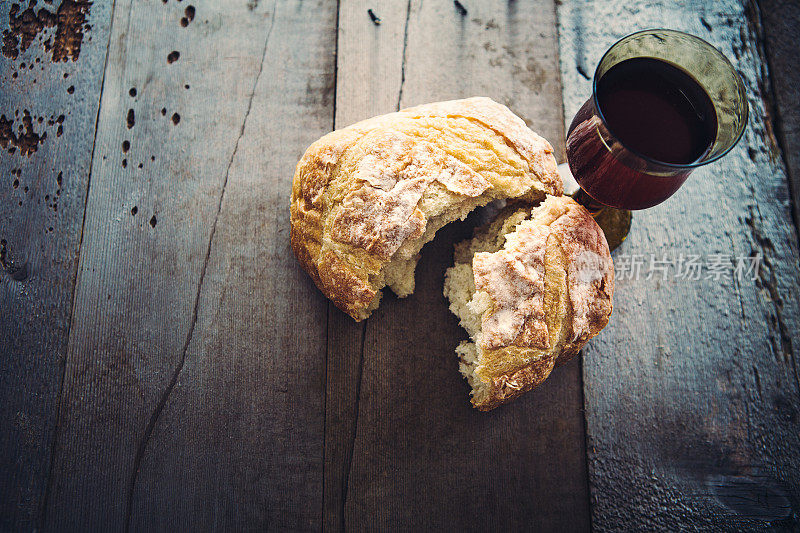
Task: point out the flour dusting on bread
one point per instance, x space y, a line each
513 279
521 291
531 288
382 214
366 198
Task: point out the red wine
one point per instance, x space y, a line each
655 110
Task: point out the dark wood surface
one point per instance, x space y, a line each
192 321
44 175
774 21
401 436
166 365
691 393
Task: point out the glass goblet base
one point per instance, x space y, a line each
615 223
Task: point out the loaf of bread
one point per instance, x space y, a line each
366 198
531 289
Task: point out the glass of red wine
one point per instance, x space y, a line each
663 103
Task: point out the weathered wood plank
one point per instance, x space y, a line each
778 24
369 59
193 394
252 390
44 174
692 393
416 455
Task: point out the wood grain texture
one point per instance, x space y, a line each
404 448
208 384
691 393
357 490
42 200
193 395
777 22
252 388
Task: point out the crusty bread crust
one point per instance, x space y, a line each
374 192
573 298
591 286
505 388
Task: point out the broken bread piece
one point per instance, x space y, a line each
366 198
531 288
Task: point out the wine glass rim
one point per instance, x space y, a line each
740 84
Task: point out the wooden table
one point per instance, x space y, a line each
165 364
